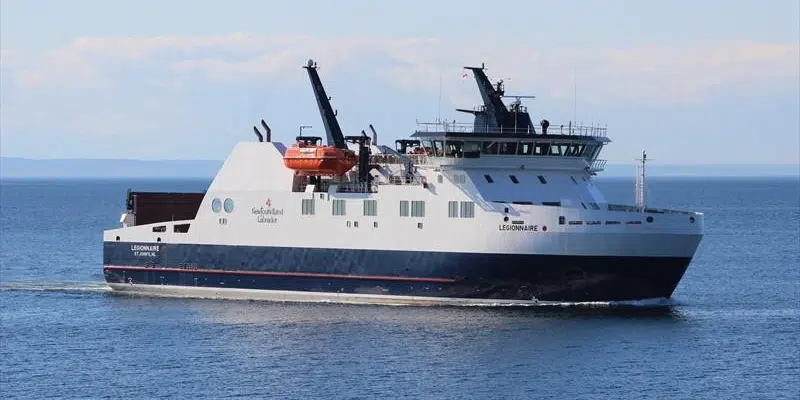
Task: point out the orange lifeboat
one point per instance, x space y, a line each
311 159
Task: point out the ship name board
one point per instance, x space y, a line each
514 227
145 250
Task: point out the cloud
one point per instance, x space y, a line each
651 74
148 87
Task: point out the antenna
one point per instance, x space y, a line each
439 117
574 94
304 127
640 182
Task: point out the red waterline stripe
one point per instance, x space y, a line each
276 273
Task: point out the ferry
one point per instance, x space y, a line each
498 211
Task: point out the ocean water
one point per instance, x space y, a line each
732 329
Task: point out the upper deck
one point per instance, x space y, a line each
467 130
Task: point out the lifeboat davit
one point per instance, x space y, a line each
310 159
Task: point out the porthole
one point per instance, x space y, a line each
118 238
544 228
228 205
158 240
216 205
649 219
691 220
505 219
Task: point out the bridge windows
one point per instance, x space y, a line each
525 148
541 149
508 148
339 207
472 149
307 206
490 148
370 208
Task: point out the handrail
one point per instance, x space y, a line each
463 127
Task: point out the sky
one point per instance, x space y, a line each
692 82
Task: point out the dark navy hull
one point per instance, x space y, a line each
514 277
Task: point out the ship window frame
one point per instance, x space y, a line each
556 146
404 208
472 149
541 148
452 209
307 206
227 205
506 148
438 148
418 208
216 205
522 145
339 207
487 146
454 148
467 209
370 208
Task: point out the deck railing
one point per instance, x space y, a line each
569 129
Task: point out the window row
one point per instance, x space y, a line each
466 209
461 148
513 178
408 208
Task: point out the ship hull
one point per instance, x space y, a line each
385 276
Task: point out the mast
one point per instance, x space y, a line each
495 109
332 129
495 116
640 181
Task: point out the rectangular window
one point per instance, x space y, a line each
490 148
459 178
308 206
541 179
467 209
513 178
370 208
417 208
339 207
488 178
525 148
403 208
541 149
452 209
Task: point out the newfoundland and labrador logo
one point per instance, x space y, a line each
268 214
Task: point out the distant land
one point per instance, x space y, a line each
14 167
